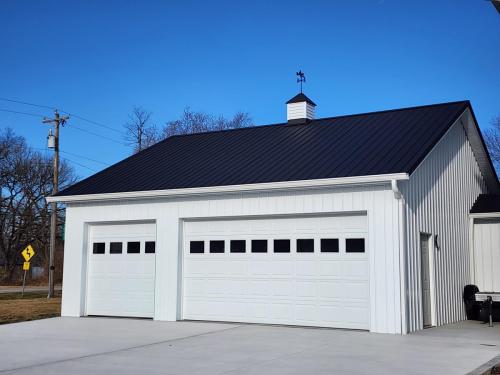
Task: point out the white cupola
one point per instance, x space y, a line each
300 109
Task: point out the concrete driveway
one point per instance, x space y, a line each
128 346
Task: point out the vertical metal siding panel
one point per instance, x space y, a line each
372 245
390 282
411 263
438 196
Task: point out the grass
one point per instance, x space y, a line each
34 305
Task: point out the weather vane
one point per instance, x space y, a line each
301 78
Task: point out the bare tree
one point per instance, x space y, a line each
140 132
492 138
197 122
26 179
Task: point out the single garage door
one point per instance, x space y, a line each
121 270
487 254
310 271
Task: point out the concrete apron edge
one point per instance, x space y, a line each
485 366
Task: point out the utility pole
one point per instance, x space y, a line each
57 120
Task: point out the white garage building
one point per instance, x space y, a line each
354 222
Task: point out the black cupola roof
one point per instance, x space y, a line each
301 98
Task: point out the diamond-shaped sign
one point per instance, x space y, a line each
28 253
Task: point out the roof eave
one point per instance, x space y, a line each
211 190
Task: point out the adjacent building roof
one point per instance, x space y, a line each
486 203
385 142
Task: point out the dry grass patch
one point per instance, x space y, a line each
33 306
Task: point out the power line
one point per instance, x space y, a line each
81 165
93 122
68 113
20 113
72 126
73 154
95 134
85 157
26 103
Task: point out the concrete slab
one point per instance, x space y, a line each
127 346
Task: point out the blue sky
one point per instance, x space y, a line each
98 59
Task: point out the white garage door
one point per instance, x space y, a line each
309 271
487 255
121 270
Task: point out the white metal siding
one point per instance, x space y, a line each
376 200
325 289
487 254
438 198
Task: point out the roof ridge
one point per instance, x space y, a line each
466 101
320 119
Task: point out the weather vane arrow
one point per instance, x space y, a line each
301 78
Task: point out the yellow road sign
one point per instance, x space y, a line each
26 266
28 253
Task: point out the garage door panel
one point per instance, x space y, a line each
487 254
356 290
306 268
282 288
238 268
121 284
306 289
355 269
318 289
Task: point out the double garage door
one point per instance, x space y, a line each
309 271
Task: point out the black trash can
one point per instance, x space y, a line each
472 307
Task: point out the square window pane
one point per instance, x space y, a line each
133 247
259 246
98 247
329 245
115 248
305 246
216 246
197 247
281 246
150 247
355 245
238 246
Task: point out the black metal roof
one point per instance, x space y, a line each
486 203
301 98
393 141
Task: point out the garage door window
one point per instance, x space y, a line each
196 247
305 246
115 248
259 246
355 245
133 247
281 246
98 247
150 247
216 246
329 245
238 246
